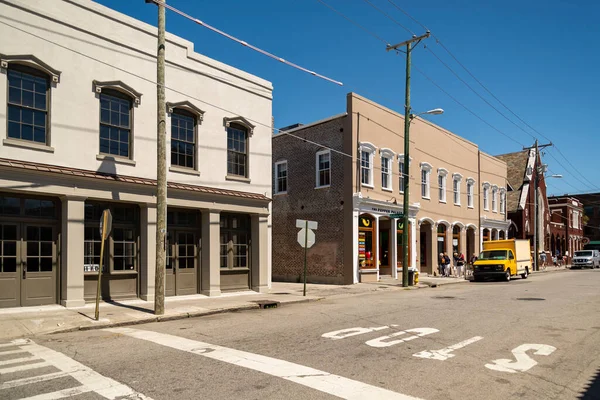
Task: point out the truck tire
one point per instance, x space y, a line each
507 275
526 274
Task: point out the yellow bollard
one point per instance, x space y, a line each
416 277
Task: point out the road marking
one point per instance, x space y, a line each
25 367
313 378
14 343
33 379
445 353
5 353
523 361
17 360
344 333
61 394
420 332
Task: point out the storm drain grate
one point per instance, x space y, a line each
267 303
530 299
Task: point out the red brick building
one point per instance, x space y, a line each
566 225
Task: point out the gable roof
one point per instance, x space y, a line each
516 164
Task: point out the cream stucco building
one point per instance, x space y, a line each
355 186
78 135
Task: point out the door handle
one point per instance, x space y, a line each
24 264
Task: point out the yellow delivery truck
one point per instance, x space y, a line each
503 259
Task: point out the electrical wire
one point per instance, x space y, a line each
242 42
439 41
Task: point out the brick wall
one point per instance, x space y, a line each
303 201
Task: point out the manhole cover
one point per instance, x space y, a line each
444 297
267 303
530 299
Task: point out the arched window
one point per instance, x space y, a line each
28 104
441 238
456 239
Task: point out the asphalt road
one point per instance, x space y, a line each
537 338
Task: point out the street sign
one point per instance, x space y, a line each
106 216
397 215
301 223
309 236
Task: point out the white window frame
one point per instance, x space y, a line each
456 179
486 198
470 192
402 174
276 188
443 174
388 156
502 201
318 171
575 219
495 198
370 149
426 183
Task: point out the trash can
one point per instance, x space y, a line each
411 277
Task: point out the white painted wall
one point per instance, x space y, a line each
130 45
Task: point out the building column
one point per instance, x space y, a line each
210 284
449 237
433 250
463 242
394 241
259 250
376 245
413 243
72 251
147 251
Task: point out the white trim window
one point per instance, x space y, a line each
502 201
442 175
495 199
575 219
486 196
401 176
323 168
456 180
281 177
470 190
425 180
387 156
366 164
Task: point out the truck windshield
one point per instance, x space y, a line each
583 254
493 255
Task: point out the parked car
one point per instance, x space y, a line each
586 259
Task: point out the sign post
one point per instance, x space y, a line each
105 227
306 238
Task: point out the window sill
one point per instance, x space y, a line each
116 160
323 187
279 193
367 185
237 178
27 145
182 170
426 197
387 190
457 204
471 207
443 201
234 270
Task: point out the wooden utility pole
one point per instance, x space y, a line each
161 164
407 119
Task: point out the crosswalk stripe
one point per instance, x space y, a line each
33 379
17 360
323 381
60 394
5 353
25 367
16 342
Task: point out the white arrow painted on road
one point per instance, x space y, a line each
379 342
445 353
344 333
523 362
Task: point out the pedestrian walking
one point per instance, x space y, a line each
441 264
446 265
459 261
543 259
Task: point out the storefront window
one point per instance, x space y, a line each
10 205
366 249
91 251
123 250
400 243
441 239
456 239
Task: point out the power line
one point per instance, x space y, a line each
243 43
439 41
389 17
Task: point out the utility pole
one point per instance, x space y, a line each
537 170
161 165
407 119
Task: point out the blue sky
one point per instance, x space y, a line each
539 57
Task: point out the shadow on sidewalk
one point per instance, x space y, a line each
117 304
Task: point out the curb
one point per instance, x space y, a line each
174 317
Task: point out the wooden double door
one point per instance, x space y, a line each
28 264
182 263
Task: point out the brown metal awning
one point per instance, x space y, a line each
54 169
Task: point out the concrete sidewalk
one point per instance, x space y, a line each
32 321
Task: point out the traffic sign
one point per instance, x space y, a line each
301 223
397 215
307 235
106 216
